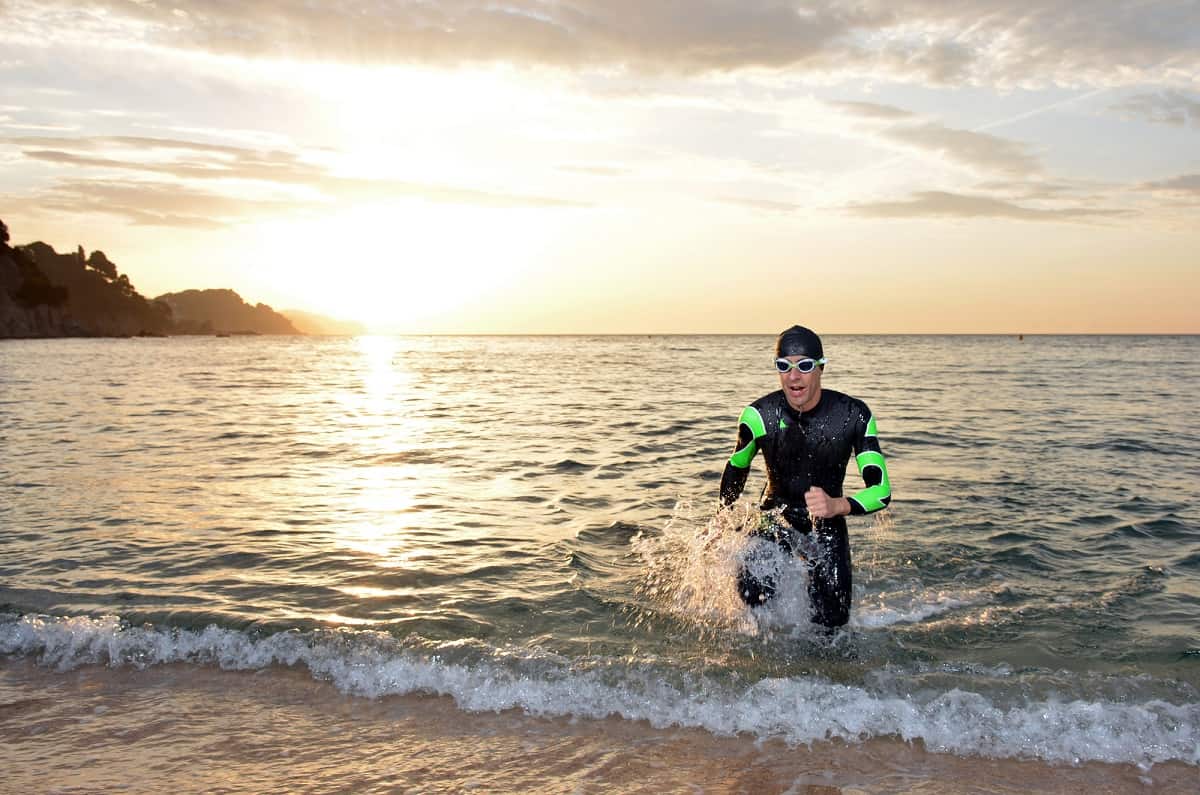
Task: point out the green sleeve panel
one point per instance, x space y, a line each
873 469
753 421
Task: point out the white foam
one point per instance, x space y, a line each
913 605
796 709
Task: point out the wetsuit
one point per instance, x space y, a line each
804 450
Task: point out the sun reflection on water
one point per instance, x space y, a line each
372 592
379 491
375 406
377 499
339 619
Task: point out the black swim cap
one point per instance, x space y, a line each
799 341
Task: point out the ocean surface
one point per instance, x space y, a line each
525 526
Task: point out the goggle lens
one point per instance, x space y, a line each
803 365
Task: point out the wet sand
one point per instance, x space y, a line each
185 729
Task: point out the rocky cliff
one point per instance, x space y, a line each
100 301
222 311
30 305
47 294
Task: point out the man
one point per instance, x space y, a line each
806 435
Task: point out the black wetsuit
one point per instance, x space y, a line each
801 451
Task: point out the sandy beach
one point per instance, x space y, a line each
184 729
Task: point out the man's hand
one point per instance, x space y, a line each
822 506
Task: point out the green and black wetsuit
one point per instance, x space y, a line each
801 451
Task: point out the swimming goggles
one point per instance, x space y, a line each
804 365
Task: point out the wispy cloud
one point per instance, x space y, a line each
983 151
1164 107
1046 190
148 198
872 110
1187 184
941 204
979 151
155 203
182 159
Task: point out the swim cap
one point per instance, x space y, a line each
799 341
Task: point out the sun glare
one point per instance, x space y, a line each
428 210
400 266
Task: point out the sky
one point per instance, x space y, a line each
622 166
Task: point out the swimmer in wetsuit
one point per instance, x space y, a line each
807 435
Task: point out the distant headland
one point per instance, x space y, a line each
47 294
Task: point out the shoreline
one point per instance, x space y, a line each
190 729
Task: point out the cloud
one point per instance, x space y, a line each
189 163
1005 42
1065 42
941 204
975 149
1188 185
1166 107
918 58
262 170
687 35
154 203
871 110
1043 190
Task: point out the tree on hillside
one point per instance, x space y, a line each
102 265
34 289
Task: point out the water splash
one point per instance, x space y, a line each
881 530
690 572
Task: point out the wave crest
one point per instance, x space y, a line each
799 710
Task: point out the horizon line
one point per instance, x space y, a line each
758 334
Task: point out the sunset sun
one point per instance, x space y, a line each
400 264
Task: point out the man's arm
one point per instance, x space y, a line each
733 480
737 469
873 468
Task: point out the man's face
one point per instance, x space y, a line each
802 390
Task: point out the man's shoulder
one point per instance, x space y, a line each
769 409
837 396
843 401
771 401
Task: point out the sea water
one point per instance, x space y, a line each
529 523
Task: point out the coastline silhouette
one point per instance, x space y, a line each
47 294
